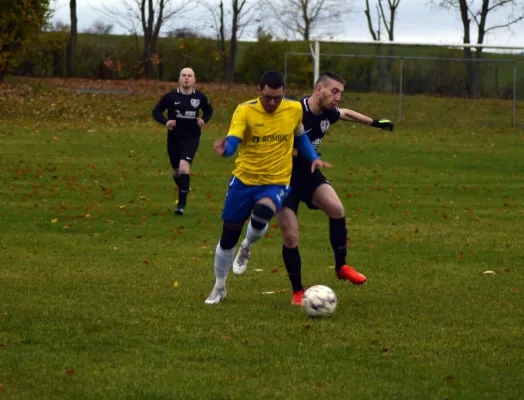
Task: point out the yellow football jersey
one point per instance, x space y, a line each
264 156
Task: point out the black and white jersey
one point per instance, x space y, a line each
185 109
316 126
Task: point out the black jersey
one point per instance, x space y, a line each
316 126
185 109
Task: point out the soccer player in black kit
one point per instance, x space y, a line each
184 125
320 111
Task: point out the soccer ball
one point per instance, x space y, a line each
319 301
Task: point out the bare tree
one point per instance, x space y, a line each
479 15
100 27
229 22
56 26
183 33
302 17
71 44
148 17
389 26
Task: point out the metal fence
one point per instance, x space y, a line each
497 78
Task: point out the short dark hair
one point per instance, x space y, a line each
273 79
329 75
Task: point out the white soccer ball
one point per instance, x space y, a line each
319 301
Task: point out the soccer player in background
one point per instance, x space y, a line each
184 124
320 111
265 130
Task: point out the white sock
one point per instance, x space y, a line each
223 260
254 234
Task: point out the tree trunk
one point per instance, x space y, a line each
147 55
147 26
472 74
58 62
71 44
230 71
222 38
477 74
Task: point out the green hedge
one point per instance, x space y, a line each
119 57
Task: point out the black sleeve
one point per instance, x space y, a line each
206 109
158 111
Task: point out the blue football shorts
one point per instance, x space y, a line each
241 198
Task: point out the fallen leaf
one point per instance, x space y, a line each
70 371
258 270
268 292
175 284
54 220
488 272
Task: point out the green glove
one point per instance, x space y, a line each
385 124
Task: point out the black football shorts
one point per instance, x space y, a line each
181 148
303 186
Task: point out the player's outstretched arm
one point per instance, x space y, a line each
353 116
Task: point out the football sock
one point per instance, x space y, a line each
254 234
183 184
337 235
223 260
292 262
177 180
259 222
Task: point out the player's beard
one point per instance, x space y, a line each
326 103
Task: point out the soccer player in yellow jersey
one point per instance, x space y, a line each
264 130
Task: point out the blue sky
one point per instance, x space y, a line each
416 22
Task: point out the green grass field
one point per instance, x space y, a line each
102 289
